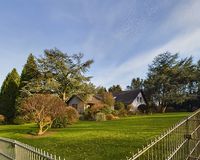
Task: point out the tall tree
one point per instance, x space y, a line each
198 80
100 90
136 83
61 74
171 80
29 71
8 94
115 89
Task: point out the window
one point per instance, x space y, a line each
141 99
138 99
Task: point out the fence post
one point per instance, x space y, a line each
15 150
188 137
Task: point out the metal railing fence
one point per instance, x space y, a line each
14 150
180 142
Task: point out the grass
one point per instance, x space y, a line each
87 140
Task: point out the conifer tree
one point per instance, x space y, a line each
8 94
29 71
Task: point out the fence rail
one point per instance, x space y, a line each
180 142
14 150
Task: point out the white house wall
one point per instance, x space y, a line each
137 102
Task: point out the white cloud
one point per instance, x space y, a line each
186 45
184 19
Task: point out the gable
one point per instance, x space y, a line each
128 97
74 100
139 100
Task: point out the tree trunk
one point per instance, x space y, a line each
41 130
64 96
163 109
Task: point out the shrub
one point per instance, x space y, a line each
90 113
135 112
122 112
60 122
106 110
110 117
130 107
19 120
142 108
108 99
119 105
115 112
72 115
2 119
100 117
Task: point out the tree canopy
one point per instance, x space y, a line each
62 74
136 83
115 89
8 94
172 80
29 71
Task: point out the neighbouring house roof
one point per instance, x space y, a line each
127 97
92 99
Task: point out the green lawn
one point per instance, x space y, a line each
96 140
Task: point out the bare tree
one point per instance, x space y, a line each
43 109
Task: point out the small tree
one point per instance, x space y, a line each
43 109
72 115
108 99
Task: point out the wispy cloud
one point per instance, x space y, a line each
185 42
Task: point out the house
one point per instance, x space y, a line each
81 105
133 98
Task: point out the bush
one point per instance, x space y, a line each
100 117
90 113
122 112
72 115
135 112
106 110
19 120
60 122
115 112
2 119
119 105
110 117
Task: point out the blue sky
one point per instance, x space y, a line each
122 36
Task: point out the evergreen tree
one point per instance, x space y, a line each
115 89
198 82
136 83
171 80
100 90
8 94
60 74
29 71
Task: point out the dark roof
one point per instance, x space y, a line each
91 100
127 97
